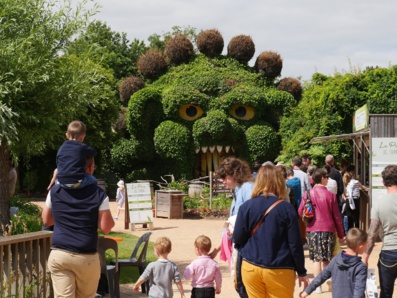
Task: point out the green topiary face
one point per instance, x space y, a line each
197 114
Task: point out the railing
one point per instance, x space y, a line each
23 268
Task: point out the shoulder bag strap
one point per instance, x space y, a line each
264 215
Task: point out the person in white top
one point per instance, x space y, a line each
352 197
332 186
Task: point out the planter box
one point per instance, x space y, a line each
169 203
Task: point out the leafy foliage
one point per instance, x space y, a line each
28 218
110 49
328 105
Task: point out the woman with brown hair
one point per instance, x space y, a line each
236 174
321 229
270 245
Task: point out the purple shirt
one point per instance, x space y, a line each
203 272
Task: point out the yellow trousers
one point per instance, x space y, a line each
267 283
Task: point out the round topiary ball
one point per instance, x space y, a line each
241 48
152 64
179 49
120 126
270 64
292 86
129 86
210 43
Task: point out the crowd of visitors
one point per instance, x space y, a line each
264 238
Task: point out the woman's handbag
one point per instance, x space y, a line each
308 209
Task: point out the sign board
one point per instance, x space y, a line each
384 153
218 187
139 198
361 118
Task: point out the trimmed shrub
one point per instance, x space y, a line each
269 64
120 126
241 48
129 86
152 64
263 142
179 49
210 43
292 86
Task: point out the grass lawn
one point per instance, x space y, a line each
128 274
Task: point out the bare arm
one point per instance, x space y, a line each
372 234
215 252
180 288
105 221
46 215
139 282
54 177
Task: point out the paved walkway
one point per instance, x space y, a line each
182 233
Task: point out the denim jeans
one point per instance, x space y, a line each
387 266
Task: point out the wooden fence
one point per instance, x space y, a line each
23 268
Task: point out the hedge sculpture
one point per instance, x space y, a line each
206 107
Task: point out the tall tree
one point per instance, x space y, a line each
110 49
41 87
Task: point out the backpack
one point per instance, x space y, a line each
308 209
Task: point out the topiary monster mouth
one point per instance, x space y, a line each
208 158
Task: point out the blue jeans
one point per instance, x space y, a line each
387 266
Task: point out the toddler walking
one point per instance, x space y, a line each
204 271
120 198
348 272
161 273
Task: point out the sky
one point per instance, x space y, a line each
311 36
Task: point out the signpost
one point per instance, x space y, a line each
139 204
217 187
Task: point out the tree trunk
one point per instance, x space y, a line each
4 192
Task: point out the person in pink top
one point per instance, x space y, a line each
321 238
204 271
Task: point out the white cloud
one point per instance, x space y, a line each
310 35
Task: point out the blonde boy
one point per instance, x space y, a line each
161 273
204 271
348 272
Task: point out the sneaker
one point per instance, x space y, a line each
329 283
116 218
318 290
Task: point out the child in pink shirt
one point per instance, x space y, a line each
204 271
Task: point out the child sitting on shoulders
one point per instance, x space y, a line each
204 271
71 158
348 272
161 273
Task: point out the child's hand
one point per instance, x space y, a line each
218 291
303 294
136 288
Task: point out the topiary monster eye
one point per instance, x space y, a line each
242 112
190 112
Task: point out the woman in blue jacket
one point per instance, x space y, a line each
273 253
